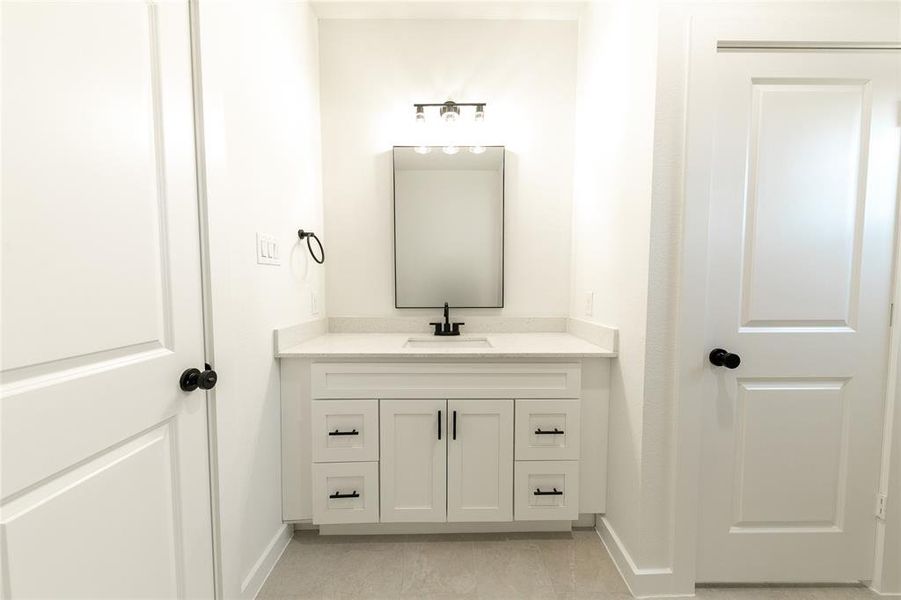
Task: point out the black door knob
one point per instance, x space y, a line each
724 358
192 379
208 379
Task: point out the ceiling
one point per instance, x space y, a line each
559 10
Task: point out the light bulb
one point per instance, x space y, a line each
451 149
449 111
477 149
422 149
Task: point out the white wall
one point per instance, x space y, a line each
372 73
888 572
611 224
260 75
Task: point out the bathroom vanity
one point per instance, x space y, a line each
398 432
417 433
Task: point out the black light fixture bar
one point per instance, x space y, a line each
450 103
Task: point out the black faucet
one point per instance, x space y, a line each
447 328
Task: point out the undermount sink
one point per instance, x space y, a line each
448 342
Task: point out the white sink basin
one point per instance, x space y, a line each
448 342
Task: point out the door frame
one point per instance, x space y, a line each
693 382
206 286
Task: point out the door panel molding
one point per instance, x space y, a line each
771 268
788 46
786 470
87 319
137 477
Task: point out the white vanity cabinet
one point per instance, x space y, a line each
480 461
446 460
439 446
413 439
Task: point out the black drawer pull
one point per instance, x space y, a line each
336 432
353 494
556 492
554 432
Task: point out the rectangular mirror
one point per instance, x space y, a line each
448 228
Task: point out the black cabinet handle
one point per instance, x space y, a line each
353 494
336 432
554 432
439 424
556 492
455 424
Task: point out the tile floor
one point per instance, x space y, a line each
496 566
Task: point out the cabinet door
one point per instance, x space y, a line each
480 460
413 435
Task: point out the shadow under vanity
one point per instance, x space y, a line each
504 429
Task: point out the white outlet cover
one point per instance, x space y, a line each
267 249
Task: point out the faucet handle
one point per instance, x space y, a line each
457 328
437 327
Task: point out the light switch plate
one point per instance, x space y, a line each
314 303
589 303
267 250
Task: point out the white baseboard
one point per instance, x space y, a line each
258 574
414 528
586 520
642 583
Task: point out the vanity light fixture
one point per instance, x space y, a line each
450 111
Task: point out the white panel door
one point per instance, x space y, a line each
802 212
104 491
480 461
413 465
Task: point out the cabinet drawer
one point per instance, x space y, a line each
546 490
547 429
345 430
345 493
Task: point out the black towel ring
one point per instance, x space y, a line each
307 235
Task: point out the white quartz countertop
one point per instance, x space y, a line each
395 345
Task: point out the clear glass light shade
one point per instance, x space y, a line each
477 149
480 113
451 149
422 149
